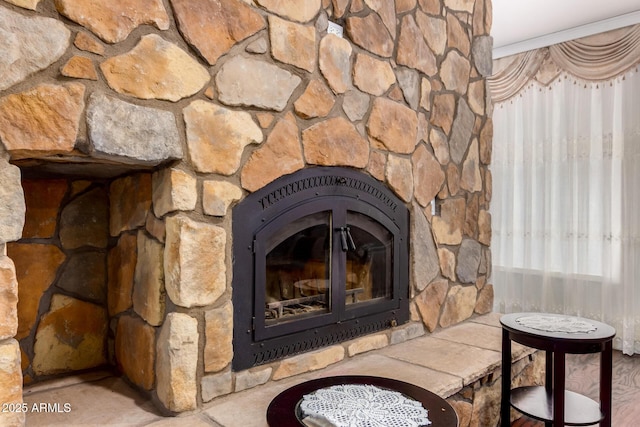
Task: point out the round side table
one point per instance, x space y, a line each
282 411
557 335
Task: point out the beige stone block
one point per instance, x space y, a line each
413 50
298 11
484 227
368 343
216 385
194 262
280 155
135 349
174 190
218 349
371 75
429 302
155 69
11 380
394 125
130 202
36 267
398 169
293 43
79 67
218 136
308 362
371 33
447 263
27 4
44 119
335 142
88 43
12 204
428 175
471 177
252 378
217 196
84 221
448 226
8 298
443 111
335 62
177 353
148 290
121 265
316 101
459 305
113 21
71 336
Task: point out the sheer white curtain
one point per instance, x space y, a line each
566 202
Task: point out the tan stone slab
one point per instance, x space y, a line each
200 420
518 351
108 401
467 362
475 334
440 383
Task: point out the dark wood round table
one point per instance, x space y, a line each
282 409
553 404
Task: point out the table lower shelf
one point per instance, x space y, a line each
534 402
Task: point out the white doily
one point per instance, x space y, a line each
362 405
570 325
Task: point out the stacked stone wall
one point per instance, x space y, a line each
219 97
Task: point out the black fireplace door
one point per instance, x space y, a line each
324 263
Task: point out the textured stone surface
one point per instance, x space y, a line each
194 262
454 72
11 380
216 385
217 136
459 305
88 43
36 267
85 275
130 202
79 67
8 298
148 296
218 348
135 349
113 21
394 125
12 204
217 196
121 265
447 263
309 362
85 220
460 5
280 155
434 30
155 69
477 97
484 227
471 177
443 110
413 50
371 75
173 190
252 378
429 303
251 82
371 34
457 36
27 4
396 173
71 336
293 43
177 353
316 101
130 133
448 226
428 176
30 44
355 104
440 145
298 11
484 304
43 199
468 261
44 119
368 343
335 142
409 81
335 62
461 131
424 256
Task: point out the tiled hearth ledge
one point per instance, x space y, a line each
460 363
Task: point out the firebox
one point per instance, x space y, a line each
320 257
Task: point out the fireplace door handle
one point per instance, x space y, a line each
347 241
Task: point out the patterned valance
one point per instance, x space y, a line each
595 58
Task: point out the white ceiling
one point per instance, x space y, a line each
520 25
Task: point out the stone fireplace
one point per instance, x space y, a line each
132 135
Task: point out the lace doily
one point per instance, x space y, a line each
362 405
570 325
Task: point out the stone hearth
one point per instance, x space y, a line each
128 132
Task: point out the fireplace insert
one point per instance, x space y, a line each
319 257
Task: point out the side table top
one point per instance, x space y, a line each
559 327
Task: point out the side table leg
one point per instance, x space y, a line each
606 374
558 388
505 401
548 379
